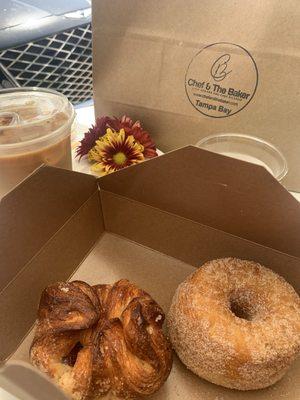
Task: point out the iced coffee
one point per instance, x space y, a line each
35 129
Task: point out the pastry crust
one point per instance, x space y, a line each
101 339
236 323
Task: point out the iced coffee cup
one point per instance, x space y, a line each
35 129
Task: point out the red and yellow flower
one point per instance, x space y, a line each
97 131
114 151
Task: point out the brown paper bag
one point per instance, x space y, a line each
191 68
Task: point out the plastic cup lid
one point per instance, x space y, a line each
30 114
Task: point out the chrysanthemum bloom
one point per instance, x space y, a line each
115 150
139 134
131 128
93 134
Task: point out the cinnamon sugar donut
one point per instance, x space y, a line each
236 323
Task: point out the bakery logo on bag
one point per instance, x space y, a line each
219 68
221 80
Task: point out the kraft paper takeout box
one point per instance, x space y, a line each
153 224
151 58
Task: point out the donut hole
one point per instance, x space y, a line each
239 311
242 305
71 357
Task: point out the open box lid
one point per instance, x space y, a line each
226 194
233 196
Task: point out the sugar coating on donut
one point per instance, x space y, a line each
236 323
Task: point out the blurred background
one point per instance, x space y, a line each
48 44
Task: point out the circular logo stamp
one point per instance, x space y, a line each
221 80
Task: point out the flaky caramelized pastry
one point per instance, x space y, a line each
95 340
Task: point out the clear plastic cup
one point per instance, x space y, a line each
35 129
247 148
